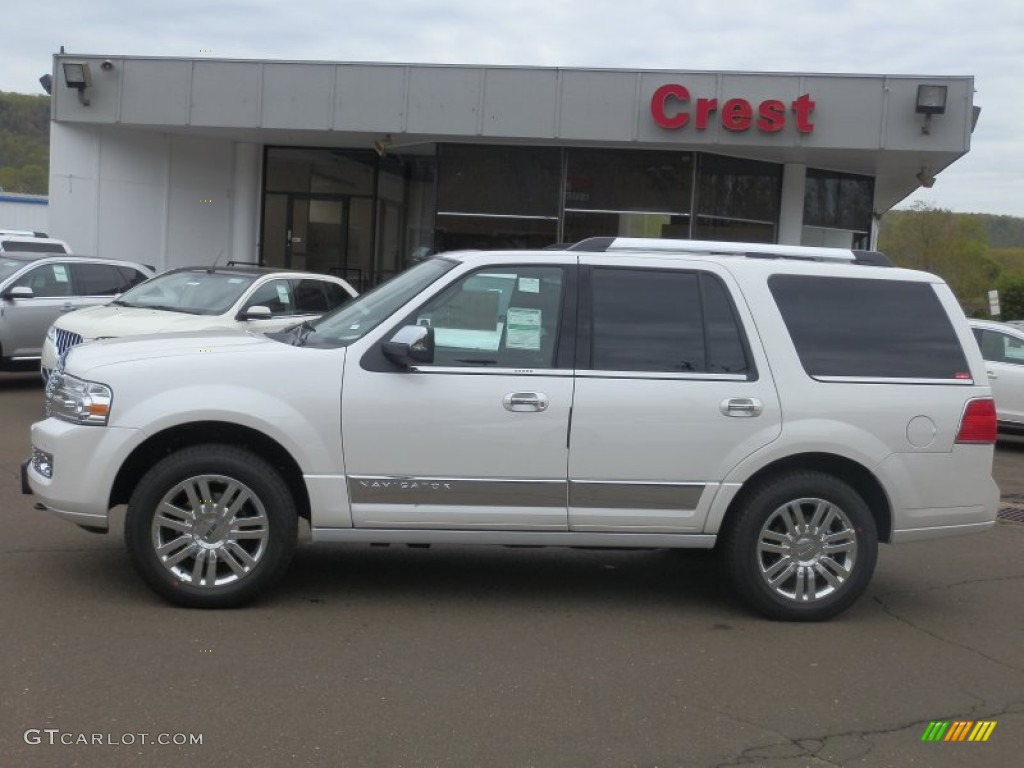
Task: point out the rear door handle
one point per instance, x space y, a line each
518 402
741 407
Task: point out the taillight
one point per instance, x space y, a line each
978 424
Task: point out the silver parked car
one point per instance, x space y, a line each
37 288
1002 346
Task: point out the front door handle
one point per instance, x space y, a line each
67 307
742 407
518 402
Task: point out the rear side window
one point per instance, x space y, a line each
861 328
665 321
98 279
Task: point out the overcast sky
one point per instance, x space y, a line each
983 38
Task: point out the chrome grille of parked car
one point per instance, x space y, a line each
65 340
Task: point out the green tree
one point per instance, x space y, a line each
1011 297
24 142
953 246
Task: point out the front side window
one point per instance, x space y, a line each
47 281
862 328
275 295
503 317
665 321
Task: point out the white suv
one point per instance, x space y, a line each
791 406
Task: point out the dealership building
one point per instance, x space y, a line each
362 168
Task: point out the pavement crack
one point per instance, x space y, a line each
888 609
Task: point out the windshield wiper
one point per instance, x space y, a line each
301 332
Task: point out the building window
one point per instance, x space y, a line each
497 197
837 209
627 193
737 199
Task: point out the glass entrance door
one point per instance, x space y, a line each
332 234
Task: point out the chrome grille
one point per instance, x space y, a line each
65 340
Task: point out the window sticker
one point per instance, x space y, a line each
523 328
529 284
231 281
60 273
282 293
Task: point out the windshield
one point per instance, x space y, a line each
355 320
195 293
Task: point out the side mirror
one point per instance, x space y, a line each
413 345
19 292
258 312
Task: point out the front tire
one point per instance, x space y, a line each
211 526
802 547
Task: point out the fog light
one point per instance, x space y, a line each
42 462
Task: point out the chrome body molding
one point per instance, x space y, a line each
593 494
514 538
634 494
457 492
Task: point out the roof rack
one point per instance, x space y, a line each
713 248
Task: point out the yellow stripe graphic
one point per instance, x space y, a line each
983 730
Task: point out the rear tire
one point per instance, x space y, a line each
802 547
211 526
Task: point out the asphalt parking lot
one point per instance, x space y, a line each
499 657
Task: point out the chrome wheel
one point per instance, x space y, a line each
210 531
806 549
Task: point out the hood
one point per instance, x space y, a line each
206 344
110 320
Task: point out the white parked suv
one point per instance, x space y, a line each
200 299
791 406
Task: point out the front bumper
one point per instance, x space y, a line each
85 464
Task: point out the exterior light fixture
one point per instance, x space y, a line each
76 75
931 100
926 177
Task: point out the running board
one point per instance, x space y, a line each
517 538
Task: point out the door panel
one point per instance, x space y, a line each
477 440
671 394
440 450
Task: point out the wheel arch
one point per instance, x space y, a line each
181 436
854 474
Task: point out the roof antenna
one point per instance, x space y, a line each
214 265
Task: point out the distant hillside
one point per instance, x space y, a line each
1003 231
24 143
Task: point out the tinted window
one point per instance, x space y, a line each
33 246
310 298
48 281
97 279
664 321
131 277
872 328
505 317
336 295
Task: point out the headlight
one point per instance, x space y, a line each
51 334
77 400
